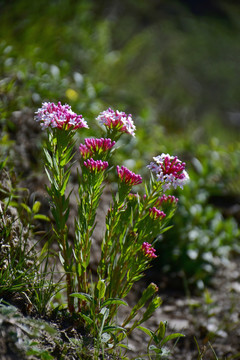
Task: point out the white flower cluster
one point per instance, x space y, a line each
117 119
169 170
59 116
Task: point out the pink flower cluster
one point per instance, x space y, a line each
95 146
166 199
170 171
118 120
148 250
59 116
156 214
128 177
95 165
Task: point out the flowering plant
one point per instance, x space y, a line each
134 221
118 121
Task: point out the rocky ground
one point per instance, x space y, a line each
209 320
212 319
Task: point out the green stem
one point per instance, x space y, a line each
63 232
67 267
105 245
82 278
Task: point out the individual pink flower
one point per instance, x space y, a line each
95 146
95 165
156 214
118 120
169 170
148 250
59 116
166 199
128 177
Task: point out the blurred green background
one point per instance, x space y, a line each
175 66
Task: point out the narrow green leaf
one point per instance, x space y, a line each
36 207
67 157
146 190
13 204
146 295
155 349
101 288
171 337
83 296
48 175
56 167
41 217
114 301
154 304
88 320
61 258
48 157
3 163
166 229
123 346
199 351
110 328
161 331
65 182
45 248
147 331
27 208
55 185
